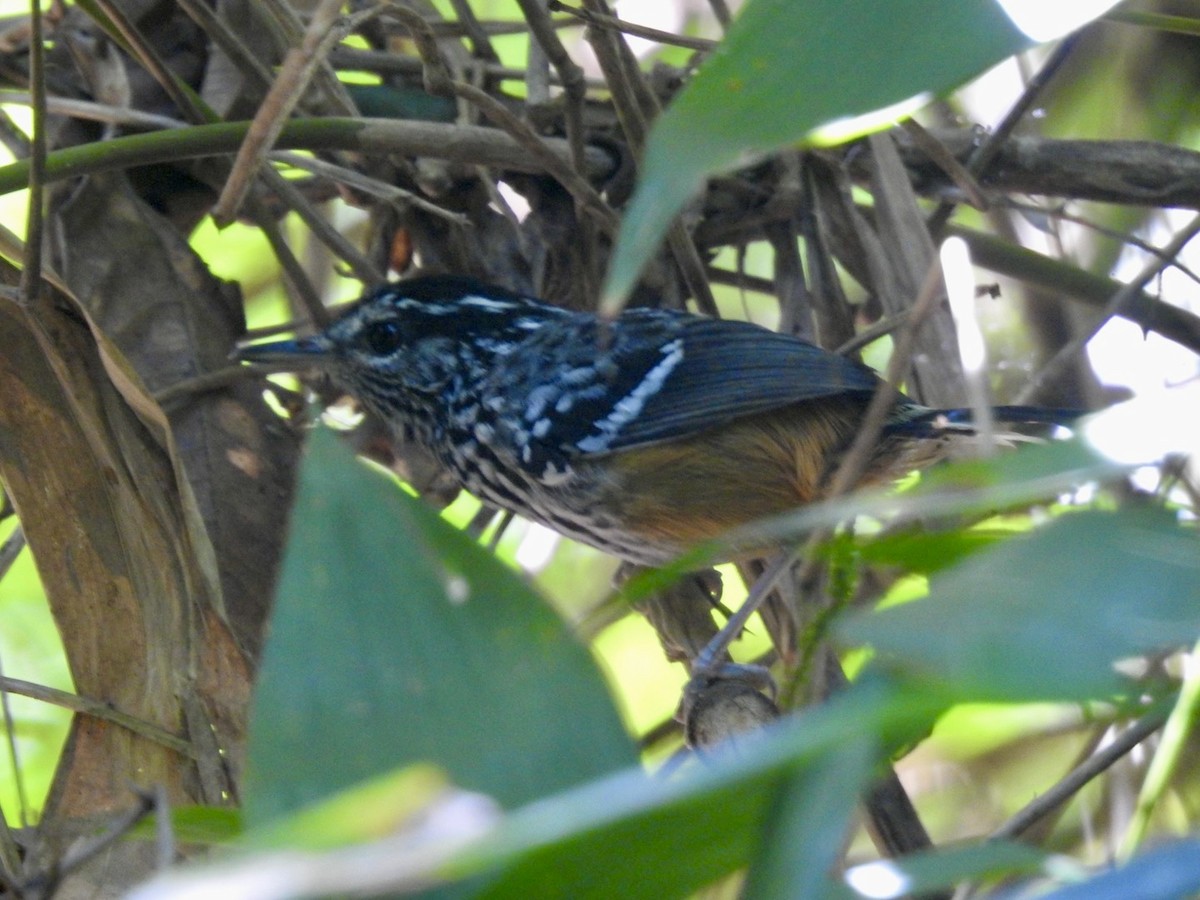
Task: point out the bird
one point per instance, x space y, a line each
641 435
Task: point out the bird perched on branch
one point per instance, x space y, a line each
639 436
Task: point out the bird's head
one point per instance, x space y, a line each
405 344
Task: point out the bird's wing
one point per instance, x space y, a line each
729 369
656 376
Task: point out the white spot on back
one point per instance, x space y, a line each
487 303
630 406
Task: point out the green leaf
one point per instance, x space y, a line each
208 825
365 811
787 68
634 837
1164 873
807 826
922 552
926 873
397 640
1045 615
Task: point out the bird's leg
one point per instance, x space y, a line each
713 657
681 613
722 698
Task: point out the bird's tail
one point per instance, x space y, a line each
920 421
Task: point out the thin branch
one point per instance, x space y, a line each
230 43
1074 781
636 107
569 72
134 42
298 69
721 10
31 272
352 58
215 380
362 267
10 858
455 143
97 710
1060 213
576 186
365 184
1115 307
600 20
296 278
941 156
481 45
45 884
983 155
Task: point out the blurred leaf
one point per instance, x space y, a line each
923 552
1045 615
941 869
633 837
1166 873
363 812
807 825
396 640
788 68
208 825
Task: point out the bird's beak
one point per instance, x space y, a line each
289 356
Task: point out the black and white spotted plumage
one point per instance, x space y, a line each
525 402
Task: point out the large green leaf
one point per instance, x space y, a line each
788 67
396 640
1046 615
1164 873
806 828
634 837
937 870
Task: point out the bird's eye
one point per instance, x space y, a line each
384 338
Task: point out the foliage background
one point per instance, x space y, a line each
983 761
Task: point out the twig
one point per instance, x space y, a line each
97 710
363 268
201 384
600 20
45 884
31 272
297 70
872 333
439 80
332 95
1115 307
230 43
721 10
481 45
576 186
1129 240
983 155
8 851
367 185
636 106
569 72
435 69
386 63
456 143
296 278
95 112
147 55
940 155
1069 785
11 549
